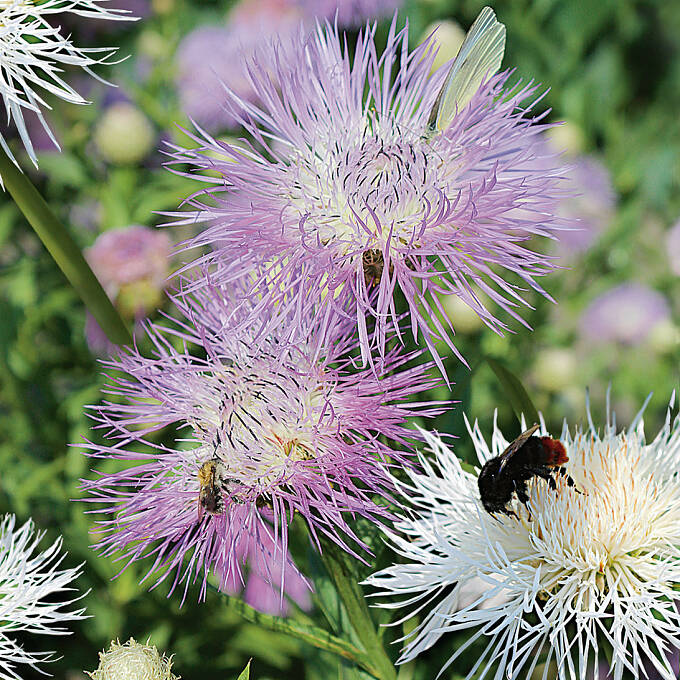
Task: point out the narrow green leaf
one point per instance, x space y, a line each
245 674
339 569
318 637
514 390
63 250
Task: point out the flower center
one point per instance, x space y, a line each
261 423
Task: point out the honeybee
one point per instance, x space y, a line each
528 456
211 476
374 264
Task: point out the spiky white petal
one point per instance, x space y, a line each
29 582
33 54
582 567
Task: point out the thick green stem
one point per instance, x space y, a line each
359 615
63 250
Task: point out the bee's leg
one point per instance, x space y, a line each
510 513
570 482
522 496
545 473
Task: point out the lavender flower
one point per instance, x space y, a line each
626 313
347 188
265 429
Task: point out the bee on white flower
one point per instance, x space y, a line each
32 589
33 55
578 571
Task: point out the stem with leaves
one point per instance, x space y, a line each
63 250
338 568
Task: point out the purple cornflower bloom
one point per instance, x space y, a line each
626 313
265 429
349 12
346 188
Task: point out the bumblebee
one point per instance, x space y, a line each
528 456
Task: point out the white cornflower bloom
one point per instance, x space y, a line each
30 582
33 54
132 661
581 569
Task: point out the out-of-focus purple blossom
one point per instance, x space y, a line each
592 203
673 248
212 57
266 428
349 12
627 314
132 264
260 591
362 198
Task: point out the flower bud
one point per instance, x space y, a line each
448 38
132 661
124 135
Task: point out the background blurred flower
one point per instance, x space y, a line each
132 661
132 264
627 313
601 560
33 52
265 567
364 200
673 248
349 12
592 202
448 37
211 58
32 589
269 430
555 368
124 135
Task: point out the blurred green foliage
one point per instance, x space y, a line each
613 69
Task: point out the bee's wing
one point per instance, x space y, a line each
514 446
479 56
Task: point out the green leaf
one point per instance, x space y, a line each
318 637
514 390
245 674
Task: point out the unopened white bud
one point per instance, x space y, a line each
132 661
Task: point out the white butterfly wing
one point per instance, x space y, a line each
479 57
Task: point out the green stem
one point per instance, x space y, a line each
359 615
307 633
63 250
